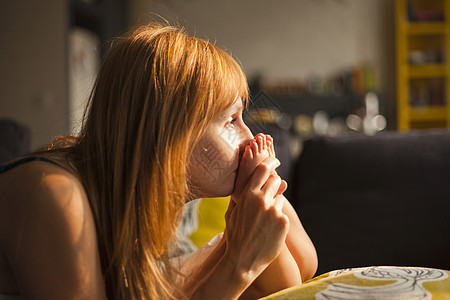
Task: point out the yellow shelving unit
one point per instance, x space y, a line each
423 63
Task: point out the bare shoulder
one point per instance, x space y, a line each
48 230
40 190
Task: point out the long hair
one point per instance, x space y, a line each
156 93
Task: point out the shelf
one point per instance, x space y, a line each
423 63
426 28
428 113
427 71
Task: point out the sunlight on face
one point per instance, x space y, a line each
213 167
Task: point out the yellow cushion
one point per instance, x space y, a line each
211 220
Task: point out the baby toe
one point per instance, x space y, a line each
254 147
260 141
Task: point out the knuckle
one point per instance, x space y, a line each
272 211
260 199
277 178
263 202
282 222
264 167
277 215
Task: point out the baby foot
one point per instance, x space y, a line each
259 149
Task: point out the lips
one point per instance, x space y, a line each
240 156
239 161
237 168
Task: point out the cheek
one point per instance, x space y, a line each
214 160
230 137
220 157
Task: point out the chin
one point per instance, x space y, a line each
224 190
220 193
218 188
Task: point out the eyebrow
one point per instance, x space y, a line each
233 109
241 107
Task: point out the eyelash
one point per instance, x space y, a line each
231 123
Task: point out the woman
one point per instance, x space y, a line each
98 212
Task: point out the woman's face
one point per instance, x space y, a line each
213 167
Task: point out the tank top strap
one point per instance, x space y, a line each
12 165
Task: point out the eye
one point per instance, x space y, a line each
231 123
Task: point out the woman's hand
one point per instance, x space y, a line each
256 227
254 236
257 245
283 271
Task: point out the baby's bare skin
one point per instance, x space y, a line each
284 267
259 149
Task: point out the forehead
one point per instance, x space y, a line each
237 106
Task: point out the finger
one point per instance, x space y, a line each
278 202
282 188
271 187
242 175
263 171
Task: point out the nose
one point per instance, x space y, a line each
246 137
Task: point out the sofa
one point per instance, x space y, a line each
376 200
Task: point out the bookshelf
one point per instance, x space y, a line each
423 63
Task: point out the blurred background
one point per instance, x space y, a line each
365 71
315 67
